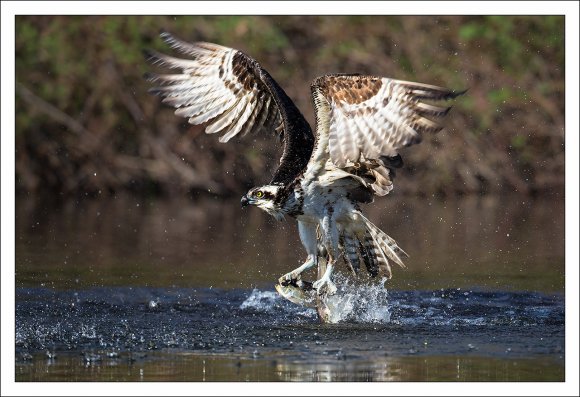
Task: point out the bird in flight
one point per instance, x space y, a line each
361 124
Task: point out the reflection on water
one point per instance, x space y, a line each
171 366
498 243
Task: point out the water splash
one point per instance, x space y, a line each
263 301
359 302
270 303
355 301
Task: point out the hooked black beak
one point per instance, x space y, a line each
245 202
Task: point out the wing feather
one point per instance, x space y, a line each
231 94
371 139
361 119
167 79
262 116
224 120
243 112
256 109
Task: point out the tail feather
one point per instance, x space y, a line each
385 242
393 251
382 247
368 244
373 258
350 248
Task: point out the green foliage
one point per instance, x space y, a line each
518 141
499 96
515 43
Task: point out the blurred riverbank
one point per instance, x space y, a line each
85 124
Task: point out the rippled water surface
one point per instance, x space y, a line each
162 290
197 334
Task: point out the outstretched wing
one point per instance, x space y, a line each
231 94
363 121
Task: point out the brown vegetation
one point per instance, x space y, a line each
85 123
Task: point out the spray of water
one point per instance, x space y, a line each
263 301
359 301
356 301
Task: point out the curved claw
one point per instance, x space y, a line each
289 279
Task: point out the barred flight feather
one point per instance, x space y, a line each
350 248
231 95
363 118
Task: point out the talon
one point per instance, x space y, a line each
283 281
296 282
290 279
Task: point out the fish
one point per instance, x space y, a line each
297 295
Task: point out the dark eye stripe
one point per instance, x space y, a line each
263 195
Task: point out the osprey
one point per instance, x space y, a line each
361 123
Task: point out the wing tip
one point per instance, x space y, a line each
429 91
456 93
153 57
155 91
149 76
167 37
148 54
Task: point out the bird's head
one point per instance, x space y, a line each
265 198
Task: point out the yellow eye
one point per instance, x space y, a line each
259 194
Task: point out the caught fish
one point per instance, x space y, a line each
297 295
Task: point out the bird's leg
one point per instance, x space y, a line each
325 284
330 240
295 276
307 233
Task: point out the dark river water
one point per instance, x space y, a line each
129 289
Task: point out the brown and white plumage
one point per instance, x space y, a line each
363 121
231 94
361 124
212 89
